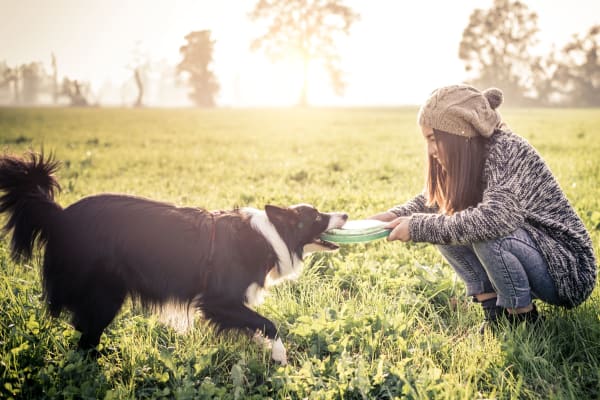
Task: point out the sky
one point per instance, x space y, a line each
396 54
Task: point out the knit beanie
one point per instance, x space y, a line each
462 110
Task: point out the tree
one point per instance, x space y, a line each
140 85
10 77
55 92
545 86
496 48
195 65
308 28
5 89
140 65
579 70
76 92
32 76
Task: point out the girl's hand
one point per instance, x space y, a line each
400 229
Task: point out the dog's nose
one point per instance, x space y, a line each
345 217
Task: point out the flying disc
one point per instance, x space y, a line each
357 231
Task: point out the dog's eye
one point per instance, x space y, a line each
319 218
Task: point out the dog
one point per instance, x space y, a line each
106 247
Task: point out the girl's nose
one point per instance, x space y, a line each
432 150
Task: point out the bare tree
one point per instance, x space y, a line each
309 28
140 65
196 66
140 86
55 92
76 92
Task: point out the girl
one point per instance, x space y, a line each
494 210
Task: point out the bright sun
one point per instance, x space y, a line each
280 83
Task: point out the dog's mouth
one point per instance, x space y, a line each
329 245
318 244
335 221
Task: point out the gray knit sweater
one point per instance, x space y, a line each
520 192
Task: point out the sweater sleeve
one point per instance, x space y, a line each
499 213
415 205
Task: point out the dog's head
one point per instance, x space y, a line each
301 226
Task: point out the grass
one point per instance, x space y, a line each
377 320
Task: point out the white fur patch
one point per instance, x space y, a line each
178 316
255 295
289 264
336 220
278 352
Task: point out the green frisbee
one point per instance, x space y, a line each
357 231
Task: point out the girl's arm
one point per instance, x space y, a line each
415 205
386 216
498 214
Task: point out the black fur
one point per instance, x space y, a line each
104 248
28 187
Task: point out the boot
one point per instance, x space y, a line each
491 315
530 317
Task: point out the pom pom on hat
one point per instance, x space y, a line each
494 96
462 110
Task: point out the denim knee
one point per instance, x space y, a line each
466 265
503 261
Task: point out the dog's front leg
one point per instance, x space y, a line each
233 315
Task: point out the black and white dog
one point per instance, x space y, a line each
104 248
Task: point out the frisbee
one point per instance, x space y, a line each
357 231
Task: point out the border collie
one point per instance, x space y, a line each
104 248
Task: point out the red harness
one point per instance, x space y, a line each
211 247
213 233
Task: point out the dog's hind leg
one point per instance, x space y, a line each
52 294
95 313
231 315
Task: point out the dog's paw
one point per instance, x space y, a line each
278 352
262 341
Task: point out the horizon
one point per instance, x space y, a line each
400 71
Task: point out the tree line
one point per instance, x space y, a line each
26 83
497 49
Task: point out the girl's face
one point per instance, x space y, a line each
432 146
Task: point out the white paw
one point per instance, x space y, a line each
278 352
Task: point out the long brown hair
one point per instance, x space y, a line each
454 183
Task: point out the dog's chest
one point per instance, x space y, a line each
255 293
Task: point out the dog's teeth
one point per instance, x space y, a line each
278 352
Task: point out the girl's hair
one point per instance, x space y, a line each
458 184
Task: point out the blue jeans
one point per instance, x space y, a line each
511 266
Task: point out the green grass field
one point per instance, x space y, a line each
377 320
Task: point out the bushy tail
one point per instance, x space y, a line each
28 185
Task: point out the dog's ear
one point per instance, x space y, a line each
277 215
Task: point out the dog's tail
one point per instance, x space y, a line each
28 186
